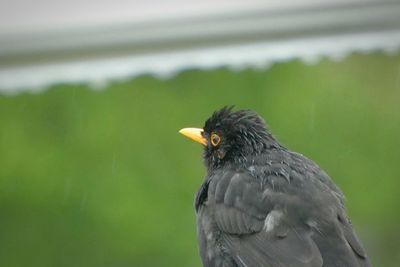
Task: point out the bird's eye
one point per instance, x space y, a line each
215 139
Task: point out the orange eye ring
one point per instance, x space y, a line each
215 139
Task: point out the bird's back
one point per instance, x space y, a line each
277 209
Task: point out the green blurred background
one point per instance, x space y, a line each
102 178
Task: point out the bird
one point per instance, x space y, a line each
262 205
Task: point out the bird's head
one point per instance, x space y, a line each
231 137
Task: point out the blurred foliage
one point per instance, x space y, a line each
102 178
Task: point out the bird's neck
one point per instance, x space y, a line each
242 158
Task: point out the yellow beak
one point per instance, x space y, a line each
194 134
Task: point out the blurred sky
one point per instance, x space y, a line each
46 42
21 15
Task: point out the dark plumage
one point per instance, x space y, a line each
263 205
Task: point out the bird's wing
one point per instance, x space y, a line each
251 226
339 245
352 239
354 248
338 236
296 249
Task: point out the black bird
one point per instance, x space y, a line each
264 205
